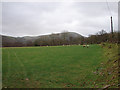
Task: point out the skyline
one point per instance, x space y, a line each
33 19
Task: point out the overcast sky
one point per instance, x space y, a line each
32 18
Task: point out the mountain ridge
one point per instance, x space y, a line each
68 36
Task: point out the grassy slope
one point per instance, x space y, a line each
108 69
57 66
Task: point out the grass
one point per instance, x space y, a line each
108 75
51 67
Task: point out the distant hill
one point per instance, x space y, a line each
31 40
67 35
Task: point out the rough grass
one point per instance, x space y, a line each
51 67
108 69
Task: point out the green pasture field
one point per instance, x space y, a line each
50 67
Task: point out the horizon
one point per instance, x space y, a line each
39 35
48 34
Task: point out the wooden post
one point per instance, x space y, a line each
111 26
112 30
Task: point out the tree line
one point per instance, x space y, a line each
97 38
102 36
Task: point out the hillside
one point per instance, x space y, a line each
31 40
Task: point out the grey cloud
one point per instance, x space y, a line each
20 19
